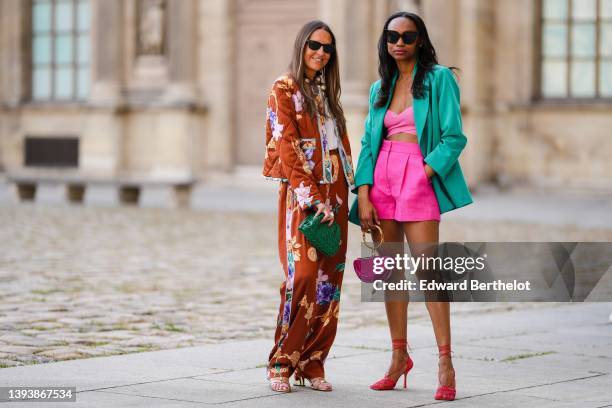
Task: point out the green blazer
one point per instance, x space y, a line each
439 131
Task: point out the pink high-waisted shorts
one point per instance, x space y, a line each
401 190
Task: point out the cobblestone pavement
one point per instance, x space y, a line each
78 282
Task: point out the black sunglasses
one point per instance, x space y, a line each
409 37
315 45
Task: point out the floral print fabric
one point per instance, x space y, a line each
297 148
298 156
310 293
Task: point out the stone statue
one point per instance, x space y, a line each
151 27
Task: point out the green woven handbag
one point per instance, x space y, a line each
324 237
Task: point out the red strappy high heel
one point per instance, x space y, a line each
386 383
445 392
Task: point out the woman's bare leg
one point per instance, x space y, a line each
396 304
423 232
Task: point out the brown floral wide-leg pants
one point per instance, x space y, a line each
310 294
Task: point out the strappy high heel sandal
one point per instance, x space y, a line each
317 383
387 383
278 383
445 392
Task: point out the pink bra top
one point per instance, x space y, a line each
400 123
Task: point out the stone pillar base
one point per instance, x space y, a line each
158 196
51 193
102 195
9 193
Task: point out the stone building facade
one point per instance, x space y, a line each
131 98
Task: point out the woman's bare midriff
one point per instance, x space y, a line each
403 137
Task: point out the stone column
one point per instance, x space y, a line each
475 55
215 27
443 21
107 52
4 46
102 139
463 33
356 24
14 78
358 50
182 36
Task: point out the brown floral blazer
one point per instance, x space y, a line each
296 145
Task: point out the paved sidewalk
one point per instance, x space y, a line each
554 356
85 282
128 280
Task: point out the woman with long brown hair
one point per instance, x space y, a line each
308 152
